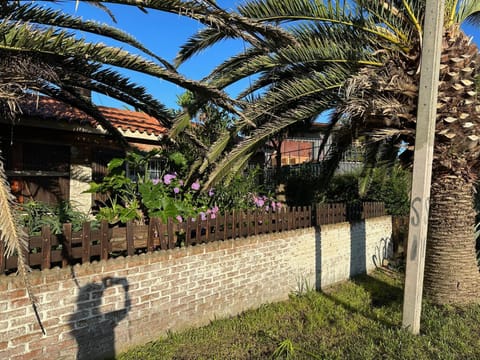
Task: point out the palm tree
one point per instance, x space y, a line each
362 59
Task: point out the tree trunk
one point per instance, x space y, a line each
451 271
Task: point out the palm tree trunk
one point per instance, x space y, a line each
451 271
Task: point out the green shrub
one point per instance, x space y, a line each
390 185
36 214
169 196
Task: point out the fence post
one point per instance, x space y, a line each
171 239
216 228
188 235
198 230
104 240
151 233
161 235
46 247
86 243
130 239
207 225
67 256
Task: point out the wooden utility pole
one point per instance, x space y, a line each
422 165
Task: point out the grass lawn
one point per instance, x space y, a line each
360 319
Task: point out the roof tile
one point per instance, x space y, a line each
126 120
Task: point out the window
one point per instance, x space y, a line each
40 172
154 170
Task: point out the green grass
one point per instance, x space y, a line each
360 319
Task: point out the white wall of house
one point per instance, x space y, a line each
80 177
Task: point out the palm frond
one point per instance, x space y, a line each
42 16
274 11
271 125
468 11
199 42
12 237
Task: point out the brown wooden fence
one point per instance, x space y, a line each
48 250
333 213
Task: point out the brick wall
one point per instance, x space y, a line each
344 252
96 309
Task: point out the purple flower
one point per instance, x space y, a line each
259 202
213 216
267 208
176 190
179 218
167 179
203 217
196 185
210 192
215 209
155 181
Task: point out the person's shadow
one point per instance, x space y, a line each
94 330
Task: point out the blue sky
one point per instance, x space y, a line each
164 33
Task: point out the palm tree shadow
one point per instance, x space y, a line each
93 330
381 294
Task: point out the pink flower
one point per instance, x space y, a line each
155 181
215 209
210 192
176 190
196 185
203 217
179 218
213 216
259 202
167 179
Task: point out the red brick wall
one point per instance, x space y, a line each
84 314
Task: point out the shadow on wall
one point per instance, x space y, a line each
358 248
93 329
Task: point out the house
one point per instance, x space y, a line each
302 147
53 151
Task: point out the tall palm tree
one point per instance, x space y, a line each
362 58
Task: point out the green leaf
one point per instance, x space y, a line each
115 164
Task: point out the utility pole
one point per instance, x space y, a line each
422 165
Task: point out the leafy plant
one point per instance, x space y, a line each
138 197
390 185
125 193
171 197
35 214
239 192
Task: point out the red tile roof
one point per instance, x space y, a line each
126 120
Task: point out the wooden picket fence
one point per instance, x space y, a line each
70 247
332 213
